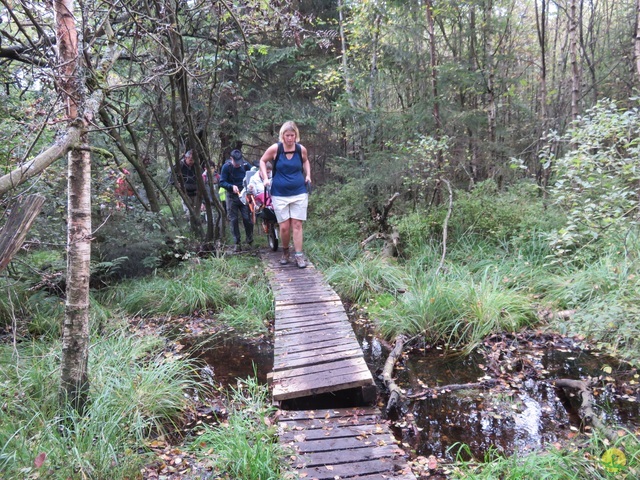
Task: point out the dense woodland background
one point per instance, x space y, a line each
515 122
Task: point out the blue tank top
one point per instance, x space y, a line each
289 178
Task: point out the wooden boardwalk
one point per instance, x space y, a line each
316 351
342 443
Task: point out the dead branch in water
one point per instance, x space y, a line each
387 374
435 391
587 414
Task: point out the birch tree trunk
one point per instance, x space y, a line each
74 385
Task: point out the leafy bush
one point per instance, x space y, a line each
500 216
596 180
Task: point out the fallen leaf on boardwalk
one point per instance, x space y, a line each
328 467
299 438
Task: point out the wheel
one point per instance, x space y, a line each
273 237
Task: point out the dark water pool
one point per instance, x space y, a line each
522 412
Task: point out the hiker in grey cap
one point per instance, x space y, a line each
231 179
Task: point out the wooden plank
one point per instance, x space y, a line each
289 362
332 368
299 300
314 320
309 339
345 442
339 414
306 291
340 452
310 311
319 307
281 350
315 384
299 283
334 328
330 431
381 467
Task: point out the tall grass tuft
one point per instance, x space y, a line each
455 308
362 279
245 446
135 393
211 284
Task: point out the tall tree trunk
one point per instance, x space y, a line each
433 64
348 87
573 52
490 73
637 43
541 27
74 386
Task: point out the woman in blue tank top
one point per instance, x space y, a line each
289 188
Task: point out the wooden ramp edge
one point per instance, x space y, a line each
315 349
342 443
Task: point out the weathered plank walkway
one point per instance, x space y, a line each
316 351
342 443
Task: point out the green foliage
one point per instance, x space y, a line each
456 308
362 279
499 216
596 181
135 392
338 211
234 287
245 446
571 463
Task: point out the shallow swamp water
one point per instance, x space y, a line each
518 408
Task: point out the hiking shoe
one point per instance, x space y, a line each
300 261
237 248
285 256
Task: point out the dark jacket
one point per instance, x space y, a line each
188 175
230 176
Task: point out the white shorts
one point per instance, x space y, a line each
291 207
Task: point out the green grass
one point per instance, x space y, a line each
456 308
245 446
363 278
212 284
135 393
573 462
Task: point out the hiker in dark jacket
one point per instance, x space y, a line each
187 174
231 179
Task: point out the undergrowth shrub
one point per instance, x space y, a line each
590 459
500 216
338 211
